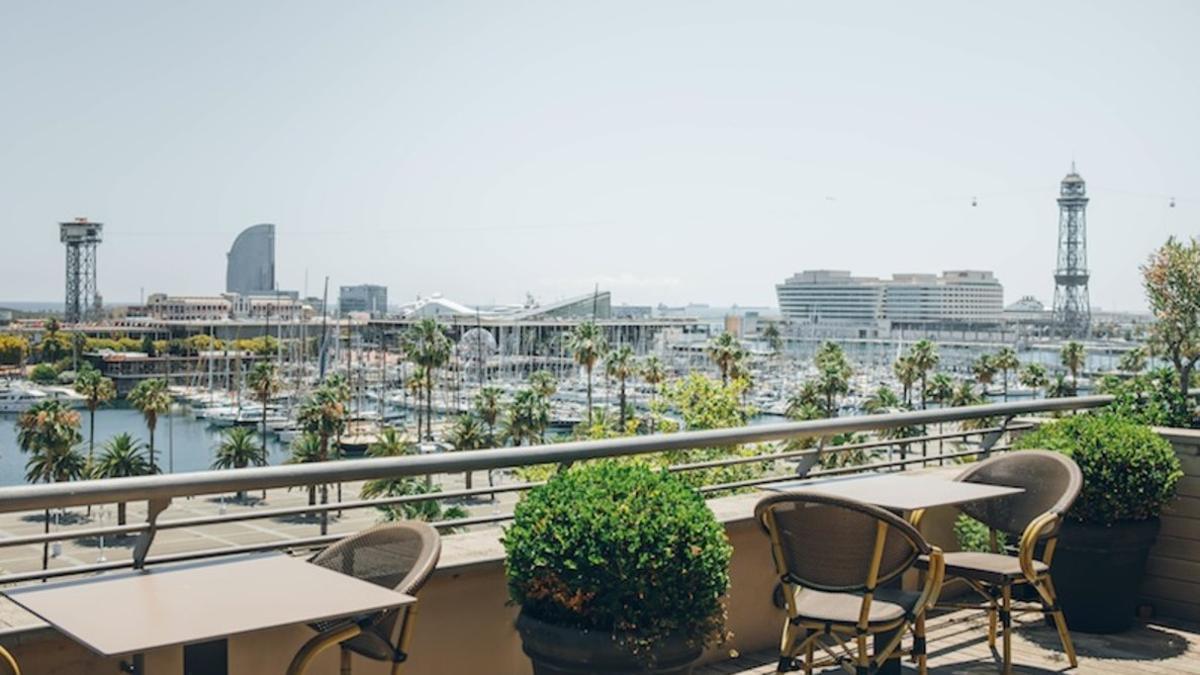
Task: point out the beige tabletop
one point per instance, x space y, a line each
899 491
128 612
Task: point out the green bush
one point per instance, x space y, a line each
973 535
1150 398
1129 472
622 548
43 373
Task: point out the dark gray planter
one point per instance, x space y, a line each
1098 572
558 650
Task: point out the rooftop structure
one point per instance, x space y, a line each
957 297
250 267
367 298
81 237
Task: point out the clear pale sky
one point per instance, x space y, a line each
669 151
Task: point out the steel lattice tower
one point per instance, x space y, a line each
81 237
1072 310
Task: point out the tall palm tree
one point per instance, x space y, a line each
305 450
774 340
587 345
984 369
468 433
1073 356
121 457
924 357
907 374
426 345
488 407
726 352
238 449
263 382
805 404
653 373
941 388
151 398
49 431
1059 387
1006 361
1033 376
621 364
416 388
882 400
96 390
324 416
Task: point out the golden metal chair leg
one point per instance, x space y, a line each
919 635
318 644
8 660
1060 622
1006 620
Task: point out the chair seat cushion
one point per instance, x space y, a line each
887 605
994 568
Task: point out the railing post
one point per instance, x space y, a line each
154 508
991 438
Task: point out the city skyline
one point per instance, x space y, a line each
488 153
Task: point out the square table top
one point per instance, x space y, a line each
899 491
135 611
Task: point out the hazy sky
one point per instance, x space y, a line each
668 151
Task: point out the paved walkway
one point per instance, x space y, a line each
958 644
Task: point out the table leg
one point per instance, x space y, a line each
138 667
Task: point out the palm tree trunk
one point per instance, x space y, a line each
121 513
153 466
622 416
429 404
46 544
589 395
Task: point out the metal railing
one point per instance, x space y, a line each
158 491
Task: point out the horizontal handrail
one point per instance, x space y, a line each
107 491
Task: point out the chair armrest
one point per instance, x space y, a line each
8 660
934 577
319 643
1029 539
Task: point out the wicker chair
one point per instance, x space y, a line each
1051 482
400 556
833 557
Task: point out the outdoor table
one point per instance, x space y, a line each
903 493
131 612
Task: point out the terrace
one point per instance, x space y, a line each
187 517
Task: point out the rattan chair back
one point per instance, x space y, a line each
1051 481
830 543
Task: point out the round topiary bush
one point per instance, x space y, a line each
1129 472
621 548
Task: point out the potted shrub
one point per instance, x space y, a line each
1129 474
618 568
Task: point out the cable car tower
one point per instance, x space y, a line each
81 236
1072 310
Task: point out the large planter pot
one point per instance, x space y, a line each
558 650
1098 571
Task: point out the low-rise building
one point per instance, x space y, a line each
368 298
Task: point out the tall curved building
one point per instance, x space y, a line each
251 261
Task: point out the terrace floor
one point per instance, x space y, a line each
958 644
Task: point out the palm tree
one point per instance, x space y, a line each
487 407
121 457
587 345
150 397
1059 387
924 358
882 400
1006 360
391 442
984 369
543 383
941 388
1133 361
653 373
263 382
468 433
238 450
305 450
726 352
1073 355
1033 376
621 365
427 346
416 388
96 390
324 415
774 340
527 418
907 374
49 431
806 403
965 395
